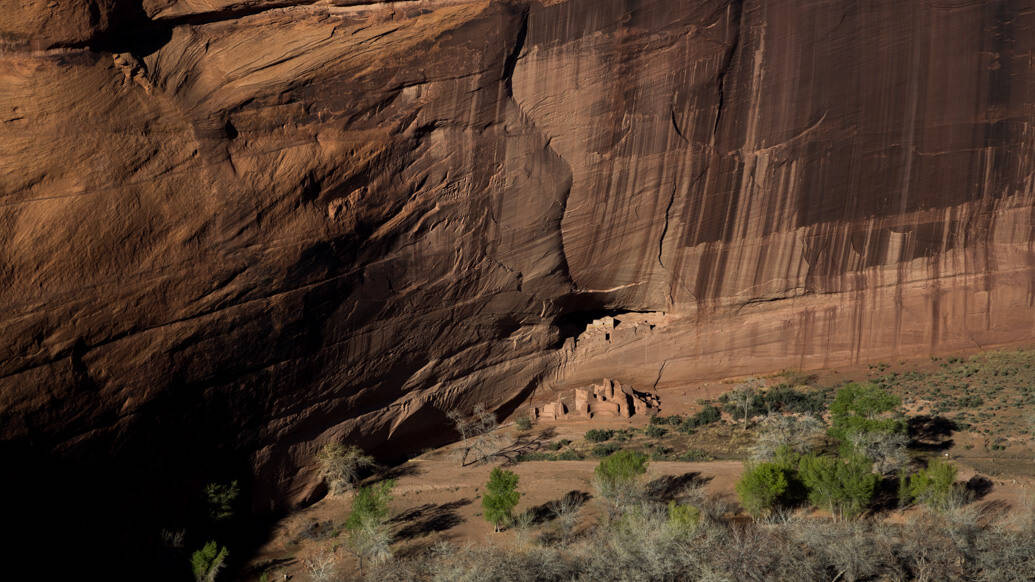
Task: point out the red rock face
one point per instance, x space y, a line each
238 229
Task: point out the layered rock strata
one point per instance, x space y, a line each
235 229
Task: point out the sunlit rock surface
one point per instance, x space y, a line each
232 230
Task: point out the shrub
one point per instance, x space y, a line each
692 455
570 455
616 479
208 561
934 486
605 449
340 465
798 377
523 423
673 420
558 445
661 454
970 401
654 431
622 466
683 518
501 497
786 399
535 456
642 546
844 487
705 416
597 435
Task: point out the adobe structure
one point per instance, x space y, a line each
608 398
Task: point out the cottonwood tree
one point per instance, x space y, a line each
340 465
934 486
565 511
778 432
887 450
864 408
845 487
744 394
321 567
617 480
478 435
501 497
522 524
763 487
370 538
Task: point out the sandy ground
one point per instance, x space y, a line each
435 499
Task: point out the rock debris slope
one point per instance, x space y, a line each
232 227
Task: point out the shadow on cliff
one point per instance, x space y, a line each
127 510
110 518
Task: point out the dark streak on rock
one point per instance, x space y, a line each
736 8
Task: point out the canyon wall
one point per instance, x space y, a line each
233 230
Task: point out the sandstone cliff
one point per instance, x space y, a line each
232 229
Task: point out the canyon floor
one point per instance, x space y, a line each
977 409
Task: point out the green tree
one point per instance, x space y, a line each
220 499
844 487
864 408
622 466
763 487
367 524
934 486
683 518
616 479
866 399
208 561
501 497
